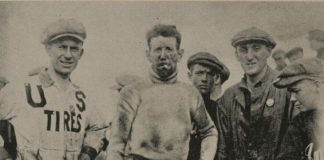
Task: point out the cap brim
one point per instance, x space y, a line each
209 64
253 39
67 35
285 82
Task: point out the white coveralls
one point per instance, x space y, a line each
50 124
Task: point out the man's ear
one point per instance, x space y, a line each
269 51
148 56
189 74
47 48
236 55
217 79
81 54
180 54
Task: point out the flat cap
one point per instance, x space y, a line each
316 34
210 60
253 34
124 80
64 28
294 51
311 68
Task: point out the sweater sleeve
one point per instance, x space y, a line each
122 123
206 129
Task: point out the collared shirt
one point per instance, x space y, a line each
251 121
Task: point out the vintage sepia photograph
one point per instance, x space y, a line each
162 80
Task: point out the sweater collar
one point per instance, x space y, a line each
155 78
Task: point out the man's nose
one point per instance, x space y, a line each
68 53
250 54
204 78
293 97
163 54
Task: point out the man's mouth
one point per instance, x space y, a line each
66 63
250 64
203 86
164 66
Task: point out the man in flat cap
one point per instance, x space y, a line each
279 57
51 115
205 72
155 115
295 54
316 40
305 80
250 113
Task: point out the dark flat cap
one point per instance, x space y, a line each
251 35
311 68
210 60
64 28
316 34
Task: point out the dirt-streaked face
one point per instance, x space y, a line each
164 55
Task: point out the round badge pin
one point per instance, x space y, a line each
270 102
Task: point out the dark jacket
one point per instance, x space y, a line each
252 123
299 138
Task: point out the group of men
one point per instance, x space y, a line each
161 118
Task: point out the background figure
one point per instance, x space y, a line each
205 70
155 116
316 40
295 54
305 80
279 56
251 114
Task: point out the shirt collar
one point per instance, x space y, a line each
264 79
46 80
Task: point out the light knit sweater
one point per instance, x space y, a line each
154 120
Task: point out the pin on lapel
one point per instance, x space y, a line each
270 102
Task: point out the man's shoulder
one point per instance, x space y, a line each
232 90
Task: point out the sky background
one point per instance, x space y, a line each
116 31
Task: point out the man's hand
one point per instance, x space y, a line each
84 156
4 155
88 153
